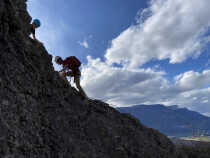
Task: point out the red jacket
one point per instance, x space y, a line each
69 62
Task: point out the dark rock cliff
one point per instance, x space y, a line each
41 117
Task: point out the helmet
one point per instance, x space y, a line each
57 58
37 22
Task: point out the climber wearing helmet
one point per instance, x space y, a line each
73 64
36 23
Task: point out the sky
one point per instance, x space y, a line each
133 52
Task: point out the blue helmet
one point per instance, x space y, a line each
37 22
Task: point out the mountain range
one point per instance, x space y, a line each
170 120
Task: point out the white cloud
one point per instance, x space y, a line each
122 86
174 30
207 114
84 44
168 29
192 80
119 85
205 101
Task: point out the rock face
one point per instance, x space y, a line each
42 117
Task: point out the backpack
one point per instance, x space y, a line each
73 62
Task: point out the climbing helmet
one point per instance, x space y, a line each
37 22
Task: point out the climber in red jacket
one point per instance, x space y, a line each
73 64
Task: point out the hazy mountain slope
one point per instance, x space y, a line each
172 121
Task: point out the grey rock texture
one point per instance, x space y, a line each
42 117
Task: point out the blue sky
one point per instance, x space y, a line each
96 22
133 52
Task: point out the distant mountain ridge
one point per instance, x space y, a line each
171 120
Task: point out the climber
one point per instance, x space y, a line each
36 23
73 64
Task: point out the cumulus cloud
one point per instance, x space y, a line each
207 114
116 85
168 29
123 87
194 100
192 80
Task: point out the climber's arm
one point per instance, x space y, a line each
64 69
